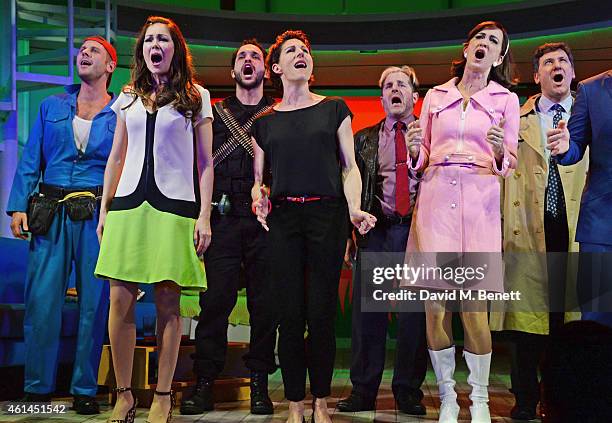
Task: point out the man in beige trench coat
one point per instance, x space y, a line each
540 209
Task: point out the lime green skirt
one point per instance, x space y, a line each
146 245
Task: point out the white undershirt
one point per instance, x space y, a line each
81 129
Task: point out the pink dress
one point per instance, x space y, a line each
458 206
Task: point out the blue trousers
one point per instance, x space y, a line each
49 267
595 282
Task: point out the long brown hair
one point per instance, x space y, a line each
503 74
180 87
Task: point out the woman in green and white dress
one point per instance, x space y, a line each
155 213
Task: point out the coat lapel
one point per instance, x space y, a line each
370 149
530 132
485 97
530 127
451 95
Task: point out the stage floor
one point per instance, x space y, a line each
501 400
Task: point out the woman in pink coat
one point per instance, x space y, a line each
467 138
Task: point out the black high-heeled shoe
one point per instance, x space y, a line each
172 403
131 413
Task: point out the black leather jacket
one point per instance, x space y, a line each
366 156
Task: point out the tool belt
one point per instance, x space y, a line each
80 204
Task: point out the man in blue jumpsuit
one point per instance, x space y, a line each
67 150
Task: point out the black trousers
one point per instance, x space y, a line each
369 330
527 348
236 242
307 243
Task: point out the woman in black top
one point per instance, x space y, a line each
307 141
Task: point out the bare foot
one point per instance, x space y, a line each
320 411
296 412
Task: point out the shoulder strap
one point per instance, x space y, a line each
239 134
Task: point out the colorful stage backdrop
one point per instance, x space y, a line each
367 111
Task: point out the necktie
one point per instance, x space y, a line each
555 200
402 192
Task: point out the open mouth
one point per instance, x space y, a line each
558 78
480 54
396 100
156 58
300 64
247 69
86 62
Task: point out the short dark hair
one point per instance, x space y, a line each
250 41
549 48
275 50
503 74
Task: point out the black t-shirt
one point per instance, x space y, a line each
302 148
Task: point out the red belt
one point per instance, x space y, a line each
303 199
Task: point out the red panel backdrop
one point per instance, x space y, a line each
368 111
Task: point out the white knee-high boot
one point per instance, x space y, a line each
479 366
443 362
